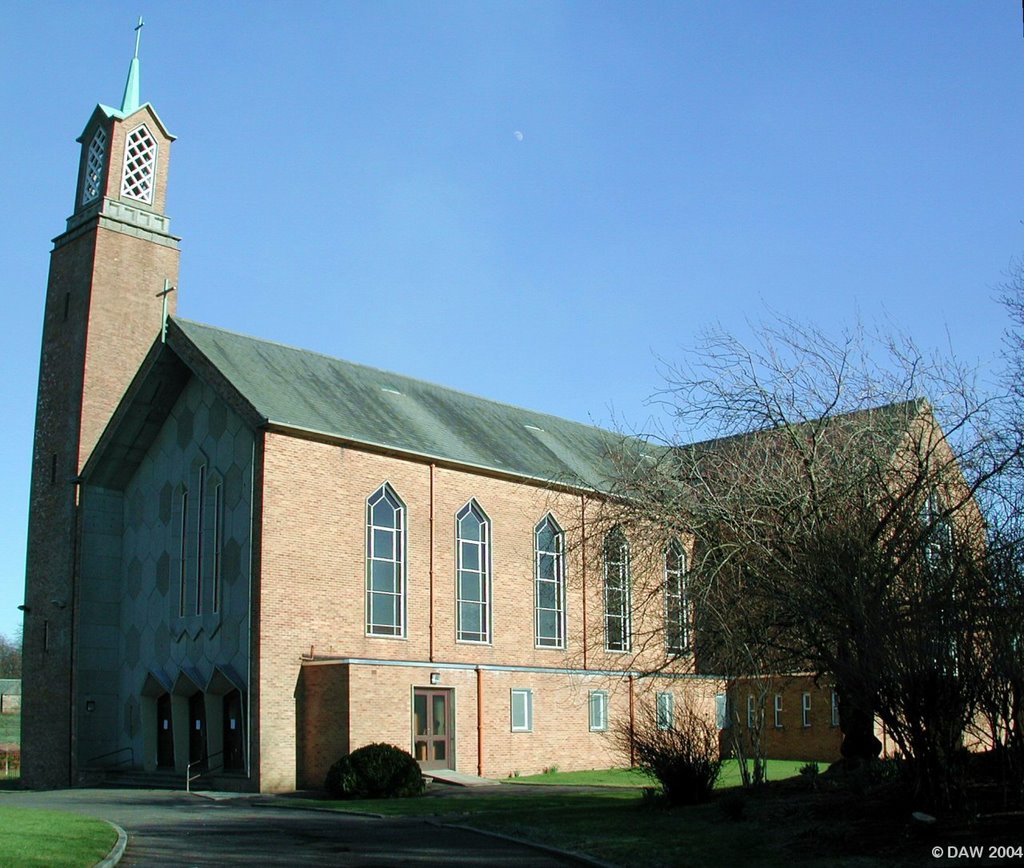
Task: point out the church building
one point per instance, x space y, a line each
247 560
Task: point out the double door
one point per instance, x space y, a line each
432 728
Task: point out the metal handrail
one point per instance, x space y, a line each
131 756
189 777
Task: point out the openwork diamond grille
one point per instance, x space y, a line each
94 166
139 165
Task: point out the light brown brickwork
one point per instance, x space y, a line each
816 738
312 582
100 318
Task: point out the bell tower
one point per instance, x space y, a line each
101 316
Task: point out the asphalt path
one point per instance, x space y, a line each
174 828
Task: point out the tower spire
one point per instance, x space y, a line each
130 101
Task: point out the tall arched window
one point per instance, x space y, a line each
549 548
473 574
617 591
385 563
677 602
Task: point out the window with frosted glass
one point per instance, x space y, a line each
598 710
616 591
665 710
522 710
473 582
677 603
549 547
385 563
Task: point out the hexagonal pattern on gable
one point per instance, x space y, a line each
156 608
166 494
217 418
153 637
162 642
185 427
228 636
231 563
233 486
135 509
243 449
133 578
131 646
163 573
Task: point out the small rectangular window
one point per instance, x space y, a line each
721 711
835 708
666 711
750 711
805 710
522 710
598 710
778 711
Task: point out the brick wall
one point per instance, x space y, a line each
817 739
312 581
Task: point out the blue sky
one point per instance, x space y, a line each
531 201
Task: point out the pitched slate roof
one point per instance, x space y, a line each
310 392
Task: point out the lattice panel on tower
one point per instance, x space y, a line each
139 165
94 166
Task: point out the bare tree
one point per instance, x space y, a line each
10 657
834 523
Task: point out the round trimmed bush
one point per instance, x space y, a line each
376 771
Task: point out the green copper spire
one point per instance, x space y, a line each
130 101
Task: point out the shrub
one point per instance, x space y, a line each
733 805
376 771
684 758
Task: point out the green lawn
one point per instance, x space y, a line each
619 825
730 777
52 839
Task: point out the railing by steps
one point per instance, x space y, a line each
205 769
130 762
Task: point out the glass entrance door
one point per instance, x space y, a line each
431 728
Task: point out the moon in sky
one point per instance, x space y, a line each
518 135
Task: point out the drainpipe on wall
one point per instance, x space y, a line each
433 467
583 569
632 726
479 722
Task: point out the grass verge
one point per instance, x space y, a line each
52 839
789 822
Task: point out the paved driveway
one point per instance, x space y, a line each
172 828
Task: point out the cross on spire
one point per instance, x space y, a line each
130 101
166 291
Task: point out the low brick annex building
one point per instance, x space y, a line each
258 558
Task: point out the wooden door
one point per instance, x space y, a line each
196 728
164 732
234 757
432 729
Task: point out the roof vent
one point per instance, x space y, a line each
533 427
390 391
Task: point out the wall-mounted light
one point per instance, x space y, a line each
25 609
435 677
90 705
